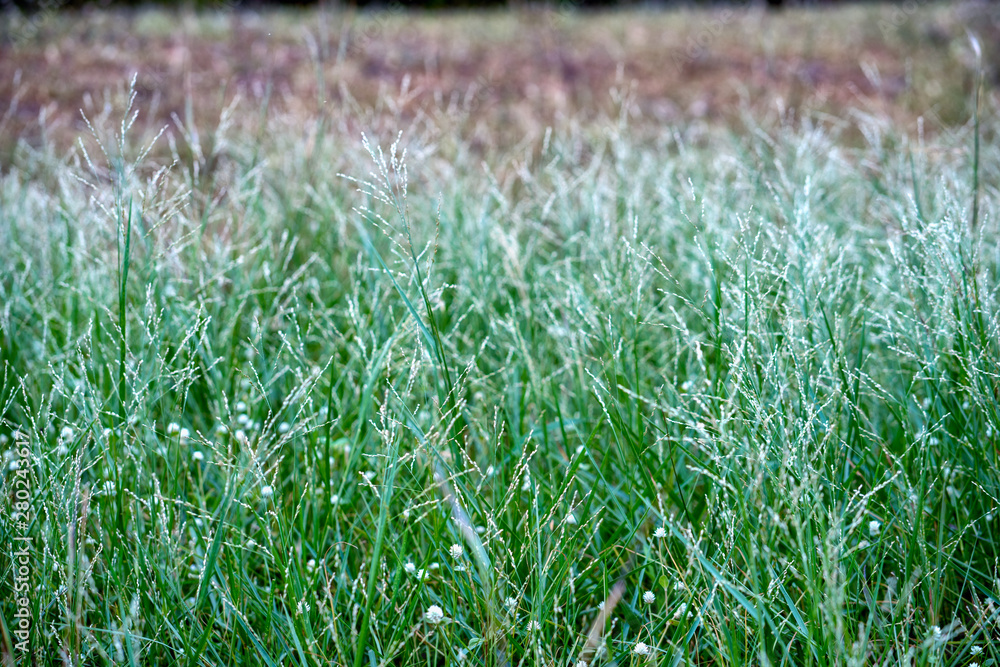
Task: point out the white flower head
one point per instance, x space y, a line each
874 527
641 649
66 433
184 434
456 551
533 626
173 428
510 603
241 406
284 427
660 533
410 568
571 519
197 456
434 614
975 650
267 491
649 597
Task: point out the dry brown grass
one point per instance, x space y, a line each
504 76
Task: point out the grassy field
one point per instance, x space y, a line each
578 379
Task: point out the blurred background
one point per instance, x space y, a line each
498 73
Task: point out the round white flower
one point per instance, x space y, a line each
173 428
197 456
976 650
66 433
13 465
241 407
649 597
510 603
221 429
434 614
533 625
410 568
660 533
284 427
267 491
456 551
874 527
571 519
184 434
242 419
641 649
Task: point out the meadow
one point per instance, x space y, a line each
442 373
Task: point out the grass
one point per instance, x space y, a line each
612 396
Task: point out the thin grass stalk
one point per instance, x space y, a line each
385 501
